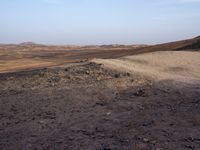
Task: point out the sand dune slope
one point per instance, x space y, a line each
166 65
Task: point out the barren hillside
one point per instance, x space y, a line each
163 65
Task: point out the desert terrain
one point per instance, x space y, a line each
30 56
110 97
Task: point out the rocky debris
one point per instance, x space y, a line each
87 107
56 77
146 140
140 92
119 75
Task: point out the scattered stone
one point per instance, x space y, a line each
108 113
100 103
128 74
140 92
117 75
87 72
98 78
146 140
41 122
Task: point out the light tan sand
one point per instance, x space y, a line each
181 66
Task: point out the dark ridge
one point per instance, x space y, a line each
198 37
195 45
189 45
113 46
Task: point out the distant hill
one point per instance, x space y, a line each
28 44
198 37
189 44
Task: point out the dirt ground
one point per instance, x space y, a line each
90 107
183 66
26 57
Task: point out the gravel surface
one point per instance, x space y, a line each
88 106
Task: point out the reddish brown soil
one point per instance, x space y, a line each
30 56
23 57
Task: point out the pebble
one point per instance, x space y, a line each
41 122
145 140
108 113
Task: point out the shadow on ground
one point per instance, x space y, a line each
90 107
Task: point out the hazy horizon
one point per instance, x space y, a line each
96 22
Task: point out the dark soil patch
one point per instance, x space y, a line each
90 107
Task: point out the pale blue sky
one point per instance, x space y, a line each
98 21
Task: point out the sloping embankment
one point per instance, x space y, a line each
169 65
